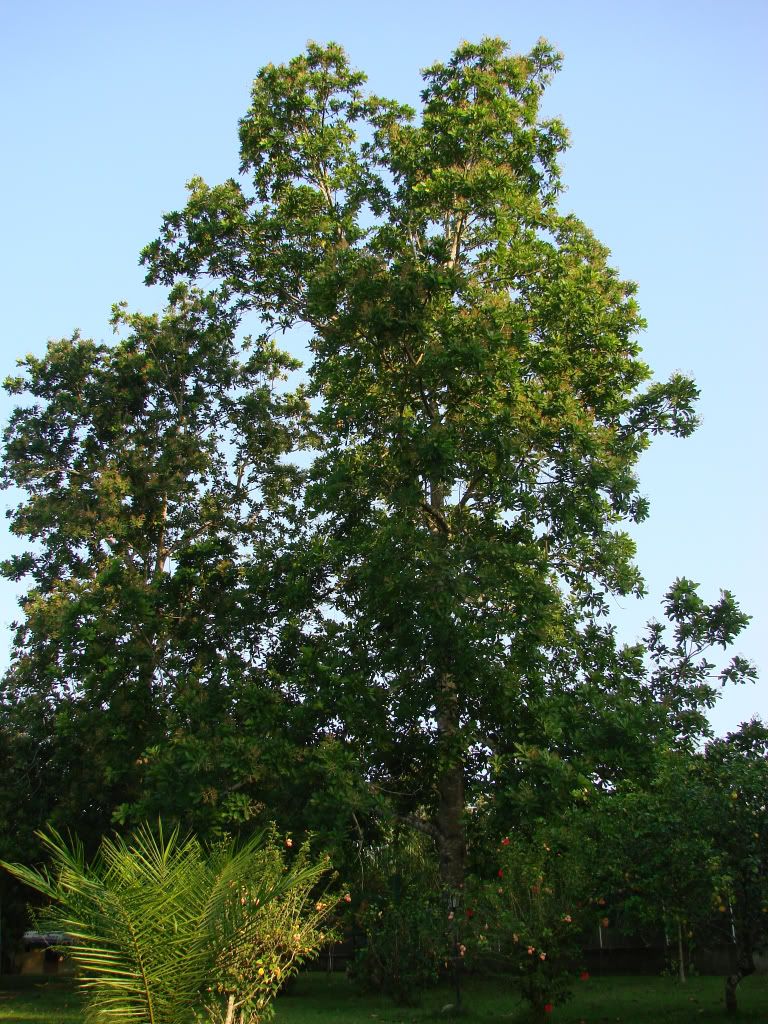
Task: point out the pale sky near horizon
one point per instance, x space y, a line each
108 109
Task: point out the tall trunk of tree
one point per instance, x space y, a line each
745 965
450 789
680 954
450 819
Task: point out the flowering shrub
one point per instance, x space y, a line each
269 939
529 920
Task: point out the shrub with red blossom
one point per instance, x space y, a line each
531 925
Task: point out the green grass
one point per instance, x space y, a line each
39 1001
323 999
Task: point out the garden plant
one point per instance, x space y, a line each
165 932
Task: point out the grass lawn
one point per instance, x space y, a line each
38 1000
328 999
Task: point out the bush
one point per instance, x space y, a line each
403 918
165 930
529 921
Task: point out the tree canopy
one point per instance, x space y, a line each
413 611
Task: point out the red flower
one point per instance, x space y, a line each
584 976
501 873
505 841
548 1007
470 912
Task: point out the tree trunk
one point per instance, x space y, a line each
745 965
450 820
450 823
450 786
680 956
230 1010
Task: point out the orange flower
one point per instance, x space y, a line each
542 956
531 950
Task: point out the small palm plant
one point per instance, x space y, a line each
164 931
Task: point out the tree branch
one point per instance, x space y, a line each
437 517
470 491
419 824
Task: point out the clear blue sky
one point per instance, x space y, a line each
108 108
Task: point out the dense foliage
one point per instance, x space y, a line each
369 594
164 931
401 913
687 851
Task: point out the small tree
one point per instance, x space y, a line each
690 847
165 932
403 915
734 771
529 918
653 853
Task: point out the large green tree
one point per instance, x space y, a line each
155 505
480 401
416 615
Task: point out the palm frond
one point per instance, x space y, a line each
155 919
